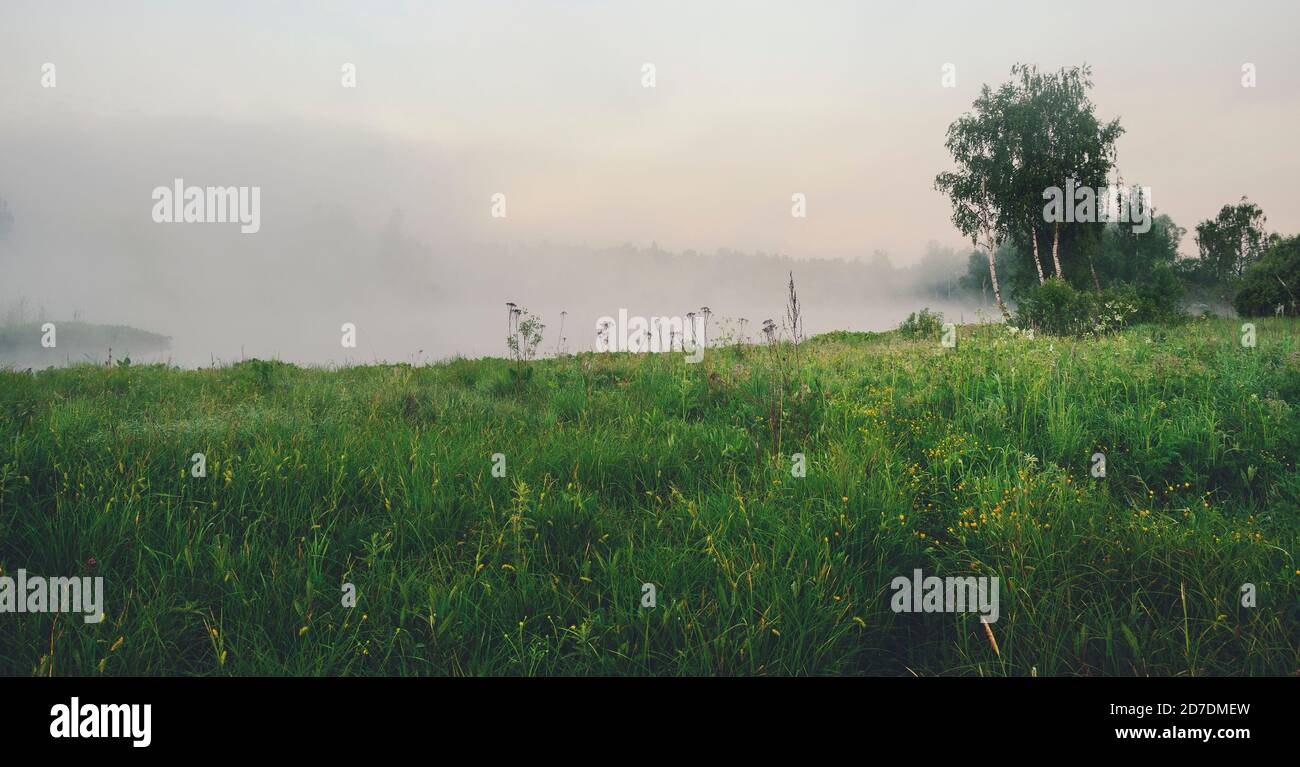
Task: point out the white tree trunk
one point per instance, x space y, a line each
993 277
1038 262
987 226
1056 241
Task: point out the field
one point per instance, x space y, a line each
623 470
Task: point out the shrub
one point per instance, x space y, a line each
1156 297
1271 282
1057 309
1054 307
923 324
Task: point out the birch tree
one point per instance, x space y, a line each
980 145
1078 145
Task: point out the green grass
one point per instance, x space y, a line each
626 469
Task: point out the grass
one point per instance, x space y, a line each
629 469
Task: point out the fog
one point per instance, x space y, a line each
376 201
373 236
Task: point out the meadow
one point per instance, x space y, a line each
623 469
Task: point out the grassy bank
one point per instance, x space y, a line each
630 469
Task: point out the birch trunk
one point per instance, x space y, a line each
987 225
993 276
1056 241
1038 262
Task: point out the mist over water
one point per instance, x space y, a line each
369 230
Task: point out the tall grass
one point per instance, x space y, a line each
626 469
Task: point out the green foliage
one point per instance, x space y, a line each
260 375
520 377
1157 297
924 324
1057 309
1054 308
626 469
1273 282
1120 256
1126 256
1231 241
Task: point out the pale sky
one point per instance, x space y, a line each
753 101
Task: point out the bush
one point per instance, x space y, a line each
1156 297
923 324
1057 309
1272 281
1054 307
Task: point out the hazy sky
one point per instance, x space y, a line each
544 101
